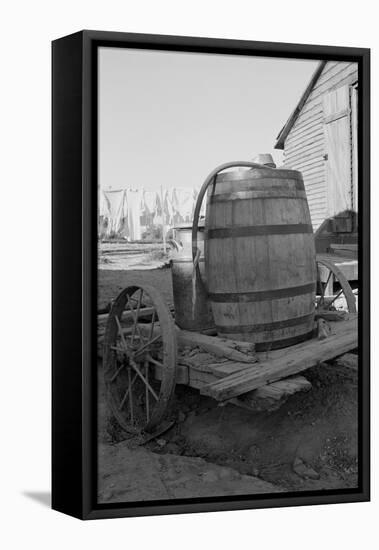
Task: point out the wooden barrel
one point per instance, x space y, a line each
191 312
260 257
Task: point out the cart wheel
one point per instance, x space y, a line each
139 358
326 299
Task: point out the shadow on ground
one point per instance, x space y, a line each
42 497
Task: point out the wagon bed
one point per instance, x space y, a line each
231 380
144 334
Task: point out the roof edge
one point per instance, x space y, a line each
282 136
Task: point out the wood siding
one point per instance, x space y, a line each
305 146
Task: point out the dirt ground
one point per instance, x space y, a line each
310 443
135 474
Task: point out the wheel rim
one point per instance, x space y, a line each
139 358
345 292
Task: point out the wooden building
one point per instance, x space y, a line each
320 140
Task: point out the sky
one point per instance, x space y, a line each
170 118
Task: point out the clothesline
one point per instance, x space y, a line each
126 212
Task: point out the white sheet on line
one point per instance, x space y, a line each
114 211
133 210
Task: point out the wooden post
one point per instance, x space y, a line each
163 224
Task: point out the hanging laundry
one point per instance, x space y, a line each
102 219
159 215
102 204
149 207
168 209
128 212
114 211
182 201
133 210
149 202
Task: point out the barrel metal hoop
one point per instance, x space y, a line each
266 327
256 230
252 176
262 295
284 342
189 261
260 194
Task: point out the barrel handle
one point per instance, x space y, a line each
199 201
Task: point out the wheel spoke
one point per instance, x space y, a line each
321 301
324 286
135 320
328 279
155 362
127 393
136 368
136 316
141 349
152 324
121 333
117 373
335 297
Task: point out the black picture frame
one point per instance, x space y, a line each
74 271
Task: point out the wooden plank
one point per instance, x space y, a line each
304 123
312 134
313 169
219 370
315 189
316 141
102 318
304 164
317 203
350 251
219 346
313 128
291 361
346 246
330 315
225 369
231 349
272 396
198 379
307 118
236 351
287 386
307 167
315 151
201 373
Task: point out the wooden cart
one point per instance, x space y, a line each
145 354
